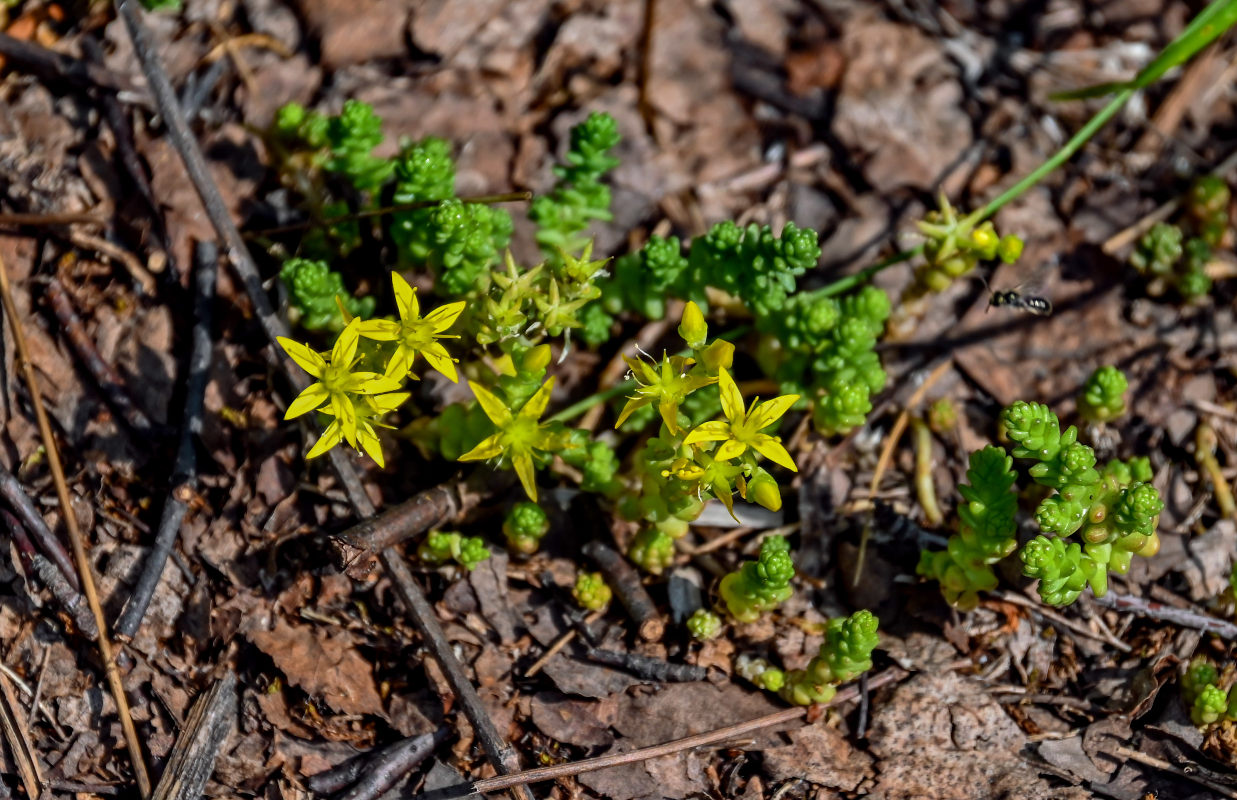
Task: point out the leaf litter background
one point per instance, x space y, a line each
844 116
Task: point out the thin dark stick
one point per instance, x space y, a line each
1179 616
424 510
117 116
647 667
501 757
486 785
393 764
625 581
60 67
14 494
861 726
197 89
105 376
69 598
185 469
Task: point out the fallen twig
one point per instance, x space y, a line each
76 539
393 761
1179 616
105 376
845 694
625 581
646 667
1152 761
14 494
17 733
501 757
185 470
54 66
558 644
192 761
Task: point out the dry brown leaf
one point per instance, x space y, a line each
325 666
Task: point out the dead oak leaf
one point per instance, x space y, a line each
325 666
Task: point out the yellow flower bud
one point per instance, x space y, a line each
692 327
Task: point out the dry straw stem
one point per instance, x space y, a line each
76 540
886 456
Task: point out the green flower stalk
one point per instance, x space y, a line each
704 625
440 547
986 531
1103 395
1114 512
352 136
312 289
591 591
845 654
525 525
459 241
579 197
761 585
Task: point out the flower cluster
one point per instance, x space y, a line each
681 467
954 245
440 547
356 399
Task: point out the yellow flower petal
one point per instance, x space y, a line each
732 399
345 414
345 346
772 449
498 413
304 357
722 491
444 317
372 383
313 396
380 330
369 443
729 449
329 438
523 464
400 363
536 404
771 411
489 447
633 405
405 298
669 411
714 431
441 360
386 403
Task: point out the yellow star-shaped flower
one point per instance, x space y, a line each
415 334
337 390
519 434
741 429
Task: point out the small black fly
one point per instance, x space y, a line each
1031 303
